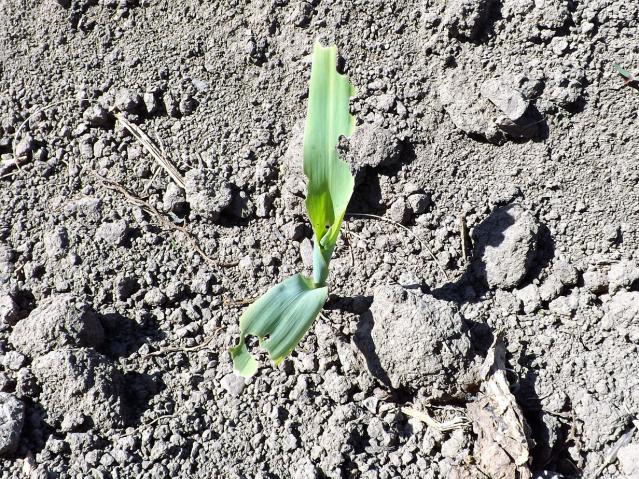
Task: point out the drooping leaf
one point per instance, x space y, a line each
279 319
330 183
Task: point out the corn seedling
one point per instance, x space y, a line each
281 317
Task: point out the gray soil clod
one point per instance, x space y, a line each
58 322
419 340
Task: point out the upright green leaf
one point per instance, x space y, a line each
330 183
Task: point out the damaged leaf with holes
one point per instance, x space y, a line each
281 317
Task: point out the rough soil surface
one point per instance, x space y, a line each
121 289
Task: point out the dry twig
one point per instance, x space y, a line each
203 345
162 220
153 150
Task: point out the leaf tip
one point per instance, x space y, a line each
243 362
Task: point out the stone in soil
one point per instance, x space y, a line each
372 146
420 341
207 193
82 380
8 311
57 322
505 245
11 422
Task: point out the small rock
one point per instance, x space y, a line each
57 322
174 199
115 233
611 233
564 305
399 211
56 242
505 97
241 206
551 288
530 298
408 334
171 105
201 283
294 230
453 446
207 193
623 311
12 360
628 457
97 115
459 95
304 469
306 251
128 101
465 18
124 287
154 297
25 146
372 146
263 204
79 380
11 422
566 273
622 275
386 102
301 14
336 386
8 311
233 384
595 282
505 245
419 203
151 102
187 105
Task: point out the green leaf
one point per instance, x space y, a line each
279 318
623 72
330 183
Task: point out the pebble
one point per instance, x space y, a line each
97 115
622 275
128 101
58 321
399 211
56 242
115 233
530 298
11 422
419 203
8 311
233 384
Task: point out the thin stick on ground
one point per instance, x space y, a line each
424 245
153 150
162 220
203 345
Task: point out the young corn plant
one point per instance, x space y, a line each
281 317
